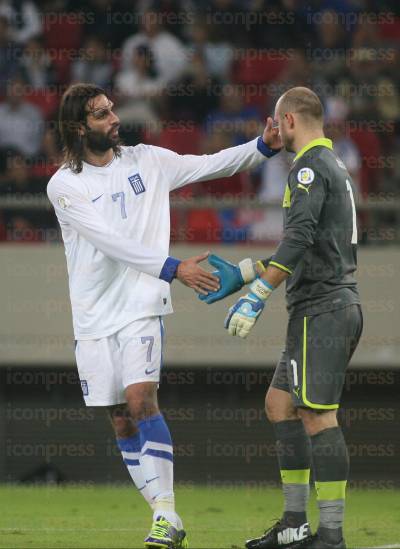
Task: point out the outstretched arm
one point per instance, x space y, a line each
73 208
180 170
233 277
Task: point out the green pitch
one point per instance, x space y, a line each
104 517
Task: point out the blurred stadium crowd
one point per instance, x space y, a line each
196 77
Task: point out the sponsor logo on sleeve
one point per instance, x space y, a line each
305 176
64 202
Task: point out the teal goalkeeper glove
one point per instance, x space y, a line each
232 277
245 312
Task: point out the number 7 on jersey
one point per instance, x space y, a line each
120 195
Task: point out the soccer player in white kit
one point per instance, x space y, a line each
112 203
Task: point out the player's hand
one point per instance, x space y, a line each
271 136
232 277
192 275
243 315
245 312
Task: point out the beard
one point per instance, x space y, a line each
287 142
99 142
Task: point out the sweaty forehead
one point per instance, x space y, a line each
99 102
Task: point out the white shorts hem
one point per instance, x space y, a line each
144 380
103 404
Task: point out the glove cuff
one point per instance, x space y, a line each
261 289
247 270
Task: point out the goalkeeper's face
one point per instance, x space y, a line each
102 125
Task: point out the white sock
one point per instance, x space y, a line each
130 450
156 459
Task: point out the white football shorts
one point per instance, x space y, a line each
108 365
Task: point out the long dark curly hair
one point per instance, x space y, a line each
72 116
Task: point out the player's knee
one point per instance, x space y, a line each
142 407
122 422
270 409
142 401
278 408
273 410
276 414
315 421
124 428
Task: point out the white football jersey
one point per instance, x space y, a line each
115 224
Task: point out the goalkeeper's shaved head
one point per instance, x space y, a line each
298 111
304 102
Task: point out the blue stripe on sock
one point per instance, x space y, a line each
159 454
154 429
131 461
131 444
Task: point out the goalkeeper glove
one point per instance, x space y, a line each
232 277
245 312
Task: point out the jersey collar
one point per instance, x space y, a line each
320 142
100 169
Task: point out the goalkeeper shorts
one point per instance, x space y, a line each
108 365
318 350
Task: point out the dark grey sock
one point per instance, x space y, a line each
294 457
330 535
331 469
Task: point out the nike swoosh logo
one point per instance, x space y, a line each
151 480
97 197
148 372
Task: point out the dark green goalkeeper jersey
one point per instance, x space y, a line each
319 246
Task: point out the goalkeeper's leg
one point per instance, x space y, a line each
331 469
318 373
294 457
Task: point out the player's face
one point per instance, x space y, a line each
101 131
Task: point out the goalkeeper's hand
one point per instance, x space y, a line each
232 277
245 312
